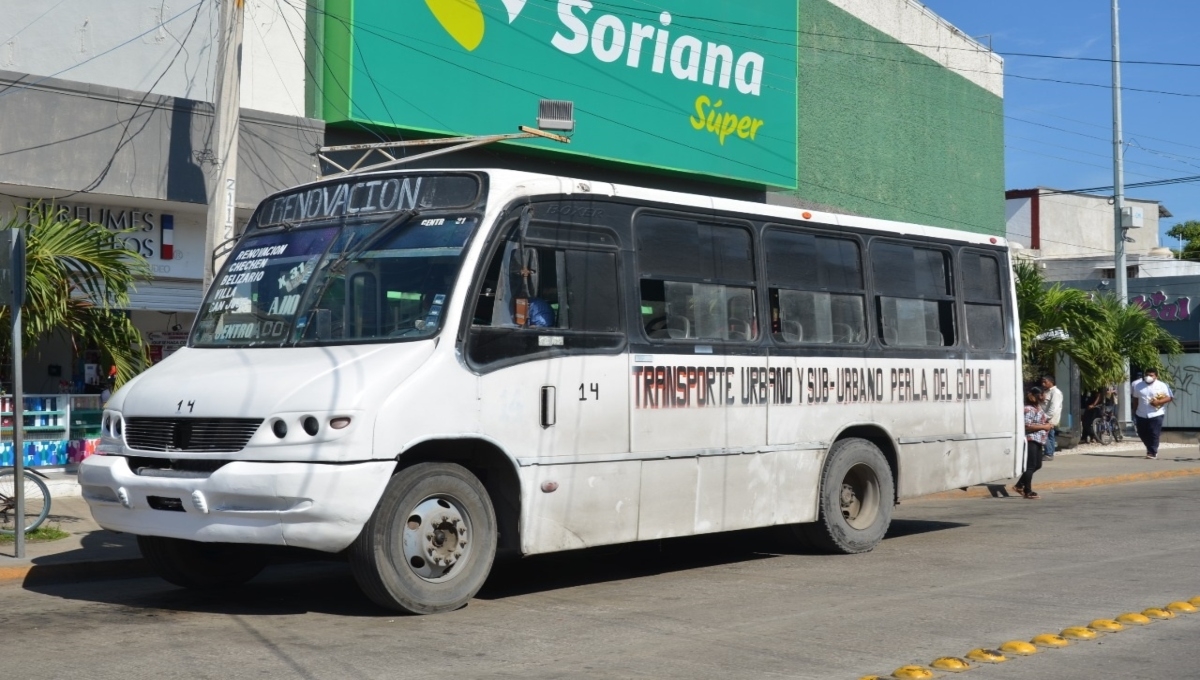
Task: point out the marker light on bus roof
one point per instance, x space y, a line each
806 215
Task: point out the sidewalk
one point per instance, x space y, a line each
1095 465
88 553
93 553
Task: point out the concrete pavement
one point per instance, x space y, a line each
952 576
93 553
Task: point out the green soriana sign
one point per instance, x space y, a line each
705 87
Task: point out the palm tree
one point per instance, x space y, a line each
1097 332
1135 336
1056 322
78 278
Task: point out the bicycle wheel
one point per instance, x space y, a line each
1115 428
1103 431
37 501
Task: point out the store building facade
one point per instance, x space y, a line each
871 107
107 114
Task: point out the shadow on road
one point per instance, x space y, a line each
305 582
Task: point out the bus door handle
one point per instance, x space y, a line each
549 407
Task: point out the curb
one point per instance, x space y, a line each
73 572
985 490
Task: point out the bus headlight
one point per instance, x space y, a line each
112 428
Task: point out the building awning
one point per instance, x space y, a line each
167 296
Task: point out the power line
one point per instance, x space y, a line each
39 18
389 36
980 49
23 86
409 45
1134 185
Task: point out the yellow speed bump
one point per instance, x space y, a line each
1078 633
1195 601
986 656
871 677
912 673
1158 613
1105 626
1018 647
1181 608
951 663
1133 619
1050 640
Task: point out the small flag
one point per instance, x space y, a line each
168 237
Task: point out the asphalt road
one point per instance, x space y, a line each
952 576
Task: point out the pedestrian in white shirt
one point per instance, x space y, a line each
1052 400
1151 396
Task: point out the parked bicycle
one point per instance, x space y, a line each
37 500
1106 428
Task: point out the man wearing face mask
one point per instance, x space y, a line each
1151 397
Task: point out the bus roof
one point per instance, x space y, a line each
515 183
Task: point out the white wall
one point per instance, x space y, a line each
1185 369
1073 225
1018 218
911 22
131 44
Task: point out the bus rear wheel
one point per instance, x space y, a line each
429 546
201 566
856 499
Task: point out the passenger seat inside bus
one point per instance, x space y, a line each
792 331
678 327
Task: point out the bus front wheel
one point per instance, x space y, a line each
430 544
856 499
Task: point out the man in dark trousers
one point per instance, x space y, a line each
1151 396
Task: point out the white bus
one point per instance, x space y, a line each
426 368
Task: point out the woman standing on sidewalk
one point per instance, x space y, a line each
1037 425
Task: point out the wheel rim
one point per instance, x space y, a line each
437 538
859 498
37 504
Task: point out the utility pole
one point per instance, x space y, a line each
12 274
227 106
1119 198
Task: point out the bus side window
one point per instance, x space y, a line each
696 280
816 288
914 295
984 301
541 298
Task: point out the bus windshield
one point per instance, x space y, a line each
363 282
341 279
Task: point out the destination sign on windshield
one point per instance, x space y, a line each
365 196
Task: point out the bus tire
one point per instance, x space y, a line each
201 566
855 500
430 544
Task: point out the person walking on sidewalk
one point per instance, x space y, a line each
1151 396
1037 428
1052 401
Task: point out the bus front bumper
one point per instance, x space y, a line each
307 505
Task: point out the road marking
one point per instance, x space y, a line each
1046 641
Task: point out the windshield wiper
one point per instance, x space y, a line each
346 255
383 232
